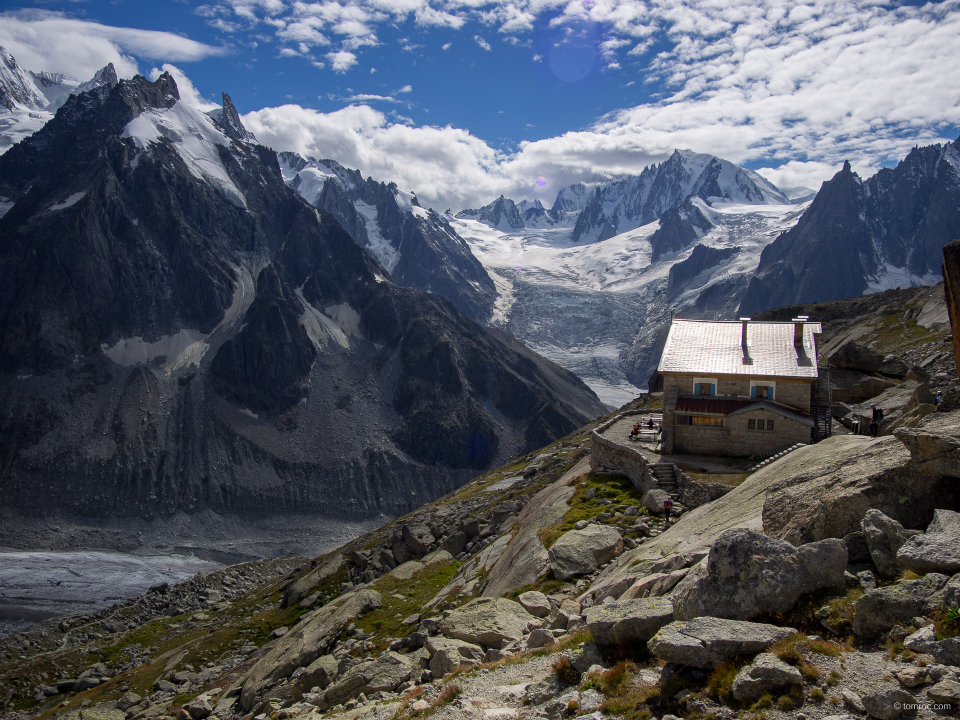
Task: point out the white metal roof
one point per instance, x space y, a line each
707 348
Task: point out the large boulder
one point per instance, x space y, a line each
882 608
628 623
305 586
320 673
535 603
579 552
654 499
491 622
939 553
935 445
766 674
852 386
385 674
855 356
447 654
307 641
829 499
708 641
884 538
885 702
748 574
945 522
946 651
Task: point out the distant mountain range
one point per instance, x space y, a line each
29 99
608 210
592 282
181 331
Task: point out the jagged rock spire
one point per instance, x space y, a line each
229 121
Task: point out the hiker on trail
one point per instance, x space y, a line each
667 507
938 399
649 423
875 420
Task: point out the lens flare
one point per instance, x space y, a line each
541 181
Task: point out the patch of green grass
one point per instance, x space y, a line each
816 694
763 703
616 488
946 622
383 622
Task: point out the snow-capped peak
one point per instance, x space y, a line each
16 86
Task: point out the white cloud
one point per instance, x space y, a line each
404 89
791 89
42 40
341 60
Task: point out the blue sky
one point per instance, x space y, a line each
460 100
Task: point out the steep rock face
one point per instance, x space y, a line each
418 247
177 335
679 228
16 86
861 236
228 120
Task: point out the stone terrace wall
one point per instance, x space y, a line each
610 456
694 494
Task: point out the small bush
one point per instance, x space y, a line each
833 678
816 694
810 672
565 672
616 678
946 622
834 700
763 703
449 694
786 703
720 682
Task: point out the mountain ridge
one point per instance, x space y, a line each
179 331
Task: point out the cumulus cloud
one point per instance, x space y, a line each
789 89
42 40
342 60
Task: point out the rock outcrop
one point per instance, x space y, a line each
488 622
579 552
748 574
629 623
306 642
880 609
708 641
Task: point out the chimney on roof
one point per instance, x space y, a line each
744 344
798 323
